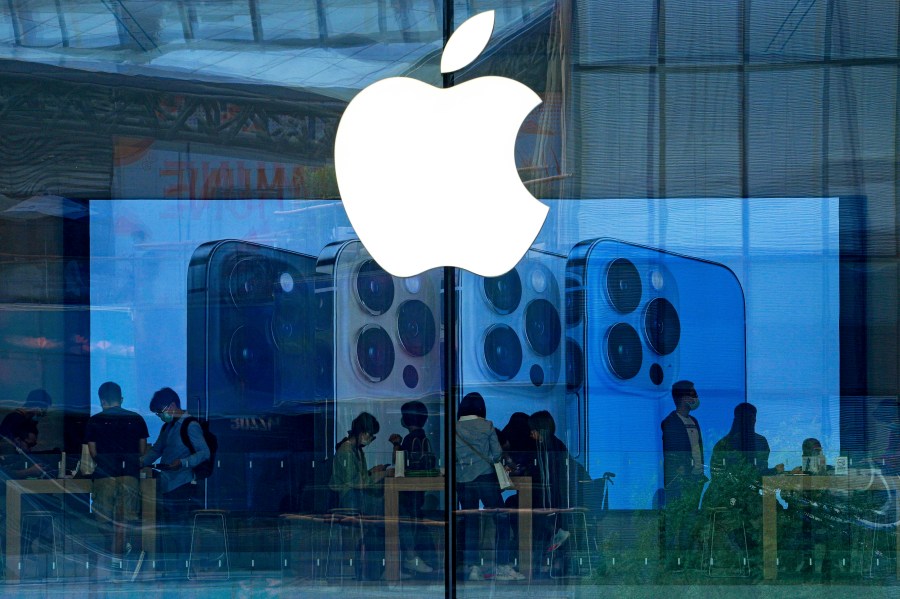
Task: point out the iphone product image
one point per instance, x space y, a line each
381 336
511 344
638 320
251 366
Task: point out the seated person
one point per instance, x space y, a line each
361 488
14 458
814 458
814 531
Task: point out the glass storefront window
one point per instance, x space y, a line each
690 377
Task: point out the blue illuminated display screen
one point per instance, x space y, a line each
739 296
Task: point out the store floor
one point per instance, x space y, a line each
273 587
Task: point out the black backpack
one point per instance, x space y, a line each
205 468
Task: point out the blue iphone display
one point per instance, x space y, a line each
638 319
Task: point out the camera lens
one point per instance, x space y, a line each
249 283
662 326
502 352
250 357
542 327
574 365
292 327
504 292
375 352
656 374
415 324
374 287
537 375
410 376
574 301
623 285
623 350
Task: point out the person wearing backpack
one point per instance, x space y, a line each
180 454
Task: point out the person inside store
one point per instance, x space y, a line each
739 461
552 474
15 460
360 490
477 450
418 459
517 444
519 458
177 486
683 477
815 532
35 407
117 440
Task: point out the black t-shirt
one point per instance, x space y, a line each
117 433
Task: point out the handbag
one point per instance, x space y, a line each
87 462
502 475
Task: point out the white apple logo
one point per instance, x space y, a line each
428 176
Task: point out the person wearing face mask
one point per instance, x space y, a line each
177 485
683 474
35 407
361 488
358 486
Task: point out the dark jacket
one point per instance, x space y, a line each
555 483
677 448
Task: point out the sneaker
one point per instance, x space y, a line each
475 573
559 538
508 573
416 564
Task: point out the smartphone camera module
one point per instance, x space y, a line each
375 352
502 352
623 285
504 292
623 351
542 327
374 287
662 326
416 327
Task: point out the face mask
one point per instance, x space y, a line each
166 417
694 403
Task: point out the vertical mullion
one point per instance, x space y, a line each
451 344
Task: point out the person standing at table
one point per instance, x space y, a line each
551 479
477 449
117 440
418 458
177 485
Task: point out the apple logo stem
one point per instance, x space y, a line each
428 176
